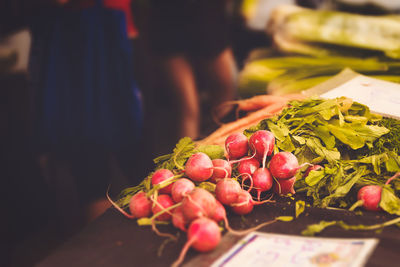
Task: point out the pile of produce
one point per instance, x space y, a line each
274 73
333 153
327 32
310 46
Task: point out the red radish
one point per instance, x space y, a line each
198 203
226 190
236 145
163 202
160 176
262 144
178 219
248 166
243 204
199 167
222 169
139 206
262 181
180 188
220 212
203 235
371 196
206 234
284 187
283 165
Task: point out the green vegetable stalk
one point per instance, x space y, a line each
299 29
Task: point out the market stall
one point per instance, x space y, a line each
337 142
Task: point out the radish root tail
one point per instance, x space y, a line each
183 252
129 216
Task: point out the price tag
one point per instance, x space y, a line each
380 96
262 249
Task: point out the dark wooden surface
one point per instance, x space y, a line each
113 240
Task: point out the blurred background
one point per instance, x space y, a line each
92 91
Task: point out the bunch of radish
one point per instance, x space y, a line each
178 198
276 174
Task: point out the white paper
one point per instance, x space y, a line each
380 96
261 249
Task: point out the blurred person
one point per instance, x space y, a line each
87 107
190 43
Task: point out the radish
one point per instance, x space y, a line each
283 165
262 181
262 144
243 204
222 169
161 203
248 166
370 195
198 203
226 190
139 206
284 187
236 145
180 188
203 235
199 167
178 219
160 176
220 212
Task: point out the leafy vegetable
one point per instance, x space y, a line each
176 160
327 127
183 150
303 30
343 136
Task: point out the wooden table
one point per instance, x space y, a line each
113 240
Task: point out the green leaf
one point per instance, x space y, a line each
345 187
313 229
347 135
305 155
393 162
148 221
176 160
314 177
356 119
389 201
284 218
369 132
213 151
322 225
322 131
315 145
286 144
300 140
207 186
279 130
323 107
300 207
